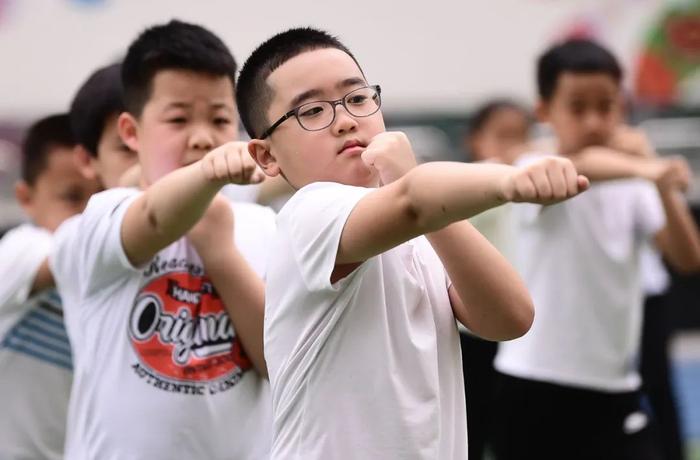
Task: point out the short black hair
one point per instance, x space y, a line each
486 110
578 56
173 46
100 97
42 137
252 92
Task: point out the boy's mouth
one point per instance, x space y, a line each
353 146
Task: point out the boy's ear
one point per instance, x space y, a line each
23 193
260 151
85 162
127 126
542 111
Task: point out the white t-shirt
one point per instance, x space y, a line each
35 359
242 193
368 367
159 373
655 277
580 261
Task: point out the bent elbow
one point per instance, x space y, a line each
522 321
687 265
516 325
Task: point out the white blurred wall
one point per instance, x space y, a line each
435 55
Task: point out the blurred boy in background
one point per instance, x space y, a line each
35 355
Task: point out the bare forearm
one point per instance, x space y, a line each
680 239
243 295
493 301
601 164
166 211
175 203
442 193
426 199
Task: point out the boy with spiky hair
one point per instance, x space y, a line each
360 337
93 113
570 387
162 284
35 356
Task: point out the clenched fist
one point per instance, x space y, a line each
668 173
545 181
390 153
231 164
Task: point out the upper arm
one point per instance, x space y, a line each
458 307
379 221
138 238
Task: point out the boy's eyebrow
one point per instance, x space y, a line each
304 96
317 92
221 105
186 105
177 105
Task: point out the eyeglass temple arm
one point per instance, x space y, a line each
274 126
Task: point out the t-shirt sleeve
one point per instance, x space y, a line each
315 218
22 252
649 212
88 253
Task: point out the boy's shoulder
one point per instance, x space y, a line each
111 196
23 244
317 196
25 233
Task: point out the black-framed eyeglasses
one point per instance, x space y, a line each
318 115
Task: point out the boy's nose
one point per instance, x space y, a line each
344 122
201 139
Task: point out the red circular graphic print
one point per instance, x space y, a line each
180 330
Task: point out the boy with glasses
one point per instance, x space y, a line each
360 335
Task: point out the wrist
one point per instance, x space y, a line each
504 189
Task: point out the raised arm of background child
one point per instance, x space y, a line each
603 163
434 195
679 240
172 205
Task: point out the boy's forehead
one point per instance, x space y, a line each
60 162
319 69
185 85
586 84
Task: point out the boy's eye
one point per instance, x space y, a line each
177 120
577 108
605 107
356 99
221 121
311 110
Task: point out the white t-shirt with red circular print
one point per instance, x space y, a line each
159 372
